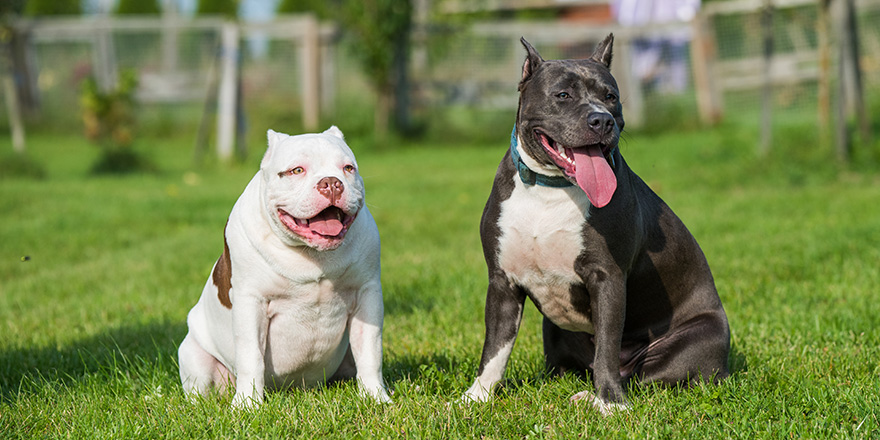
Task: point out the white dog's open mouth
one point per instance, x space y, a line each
330 224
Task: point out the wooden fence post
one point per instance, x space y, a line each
227 93
703 58
170 34
14 111
630 84
311 73
767 86
105 56
328 74
823 26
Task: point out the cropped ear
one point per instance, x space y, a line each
334 131
533 60
602 54
274 139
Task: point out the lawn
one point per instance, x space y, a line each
97 275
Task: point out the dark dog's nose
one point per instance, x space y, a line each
601 123
331 188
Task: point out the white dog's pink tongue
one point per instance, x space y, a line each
326 223
594 175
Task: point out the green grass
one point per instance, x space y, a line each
98 273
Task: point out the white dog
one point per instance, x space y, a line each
295 299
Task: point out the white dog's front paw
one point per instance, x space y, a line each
377 394
245 401
383 397
374 389
605 408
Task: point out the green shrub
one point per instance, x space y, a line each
53 7
225 7
137 7
109 121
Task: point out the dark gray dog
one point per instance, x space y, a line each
624 288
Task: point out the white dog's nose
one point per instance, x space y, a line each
331 188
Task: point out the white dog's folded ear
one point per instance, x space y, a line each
335 131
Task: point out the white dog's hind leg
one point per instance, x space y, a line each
199 370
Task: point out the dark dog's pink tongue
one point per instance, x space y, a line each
594 175
326 223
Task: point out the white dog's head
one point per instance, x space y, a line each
312 191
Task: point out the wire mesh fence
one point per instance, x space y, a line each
473 69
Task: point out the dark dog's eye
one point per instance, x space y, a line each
348 168
563 95
611 97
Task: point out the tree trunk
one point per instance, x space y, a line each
400 89
384 97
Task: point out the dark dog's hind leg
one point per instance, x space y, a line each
693 352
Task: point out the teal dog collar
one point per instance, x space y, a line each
530 177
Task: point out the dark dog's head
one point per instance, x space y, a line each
570 119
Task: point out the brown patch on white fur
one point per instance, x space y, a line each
222 275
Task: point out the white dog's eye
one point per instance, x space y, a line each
292 171
348 168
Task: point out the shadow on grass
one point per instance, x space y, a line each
121 350
737 361
413 367
117 351
442 371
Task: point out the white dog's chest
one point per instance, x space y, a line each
306 333
308 302
541 237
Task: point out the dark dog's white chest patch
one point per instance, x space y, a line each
541 236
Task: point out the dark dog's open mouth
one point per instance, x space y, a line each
564 156
588 165
329 224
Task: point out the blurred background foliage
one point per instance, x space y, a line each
398 71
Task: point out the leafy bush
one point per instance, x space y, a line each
53 7
137 7
228 8
109 121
